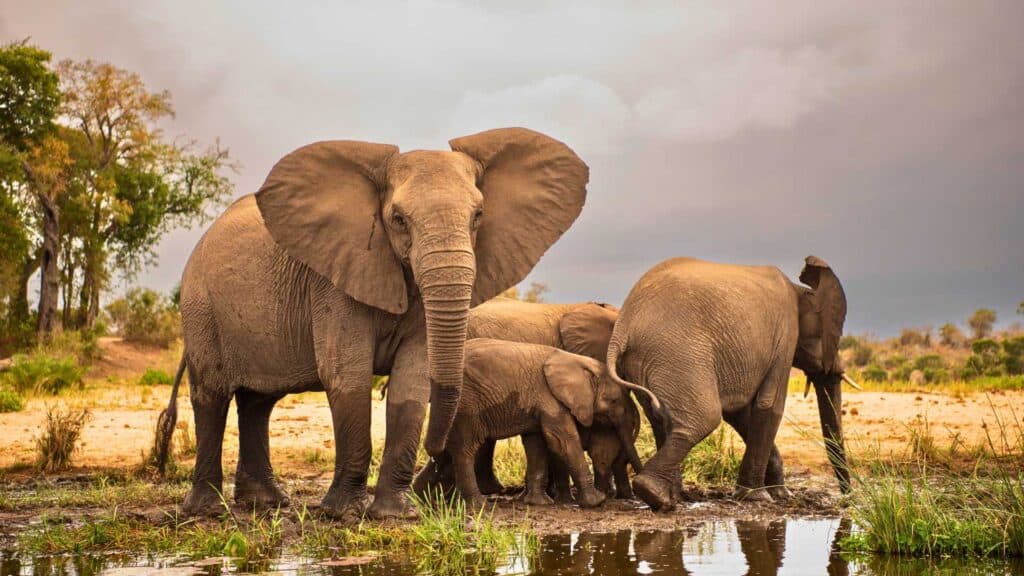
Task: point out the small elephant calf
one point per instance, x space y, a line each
540 393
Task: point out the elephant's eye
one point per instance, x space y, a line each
477 216
398 220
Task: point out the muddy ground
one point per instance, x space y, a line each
880 424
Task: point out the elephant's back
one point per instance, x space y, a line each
516 321
731 321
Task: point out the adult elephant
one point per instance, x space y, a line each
352 260
716 341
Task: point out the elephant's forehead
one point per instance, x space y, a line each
432 165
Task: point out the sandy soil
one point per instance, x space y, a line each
124 415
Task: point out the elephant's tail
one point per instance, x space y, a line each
165 424
616 347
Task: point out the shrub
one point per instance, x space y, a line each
10 401
986 360
861 355
950 335
82 344
933 367
41 373
849 341
146 317
59 441
874 373
153 376
981 322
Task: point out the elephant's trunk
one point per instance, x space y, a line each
446 283
830 404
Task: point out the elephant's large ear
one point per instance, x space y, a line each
321 204
571 379
587 329
534 188
830 301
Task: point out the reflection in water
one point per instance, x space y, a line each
741 547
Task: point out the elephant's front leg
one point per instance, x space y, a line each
564 442
348 394
408 394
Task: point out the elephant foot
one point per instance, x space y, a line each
348 508
490 485
392 506
590 498
655 492
744 494
262 494
474 503
204 499
537 499
624 492
779 493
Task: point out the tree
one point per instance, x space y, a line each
534 294
950 335
131 185
34 175
1020 308
981 322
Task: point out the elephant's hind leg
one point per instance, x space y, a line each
695 412
254 478
774 476
210 408
762 426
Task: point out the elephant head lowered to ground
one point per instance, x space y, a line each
354 259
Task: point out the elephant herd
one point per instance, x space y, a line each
354 259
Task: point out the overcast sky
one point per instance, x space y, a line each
887 138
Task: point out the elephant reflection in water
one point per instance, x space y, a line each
762 544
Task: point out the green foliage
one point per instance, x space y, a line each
849 341
874 373
29 95
715 460
862 355
950 335
41 373
933 367
981 322
992 358
59 441
10 401
917 517
146 317
154 376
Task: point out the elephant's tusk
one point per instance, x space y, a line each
807 388
852 383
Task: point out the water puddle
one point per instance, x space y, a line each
725 547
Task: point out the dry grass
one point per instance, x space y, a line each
57 445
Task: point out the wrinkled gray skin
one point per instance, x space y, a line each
582 328
352 260
540 393
716 341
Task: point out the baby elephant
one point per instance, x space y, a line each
541 393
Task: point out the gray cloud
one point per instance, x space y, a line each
888 142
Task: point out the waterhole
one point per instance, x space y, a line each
717 547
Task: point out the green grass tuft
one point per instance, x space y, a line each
10 401
41 373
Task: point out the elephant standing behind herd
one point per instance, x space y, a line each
354 259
